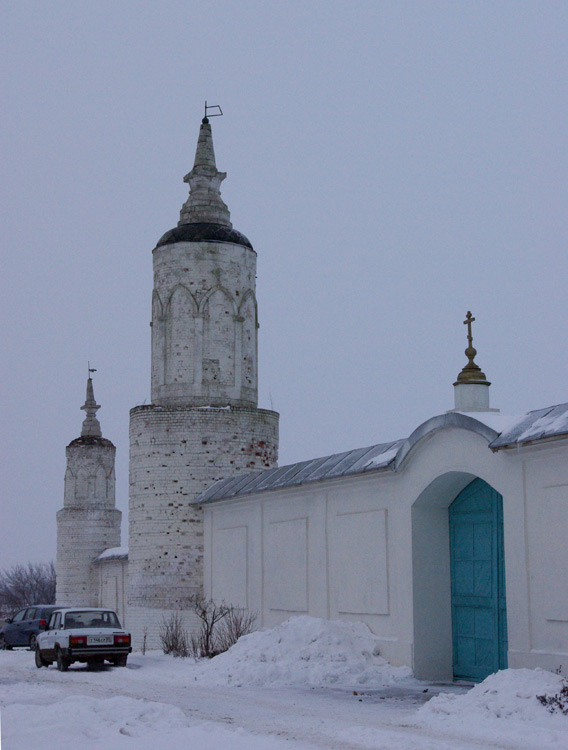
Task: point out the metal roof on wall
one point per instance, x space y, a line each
540 424
328 467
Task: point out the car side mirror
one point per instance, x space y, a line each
8 620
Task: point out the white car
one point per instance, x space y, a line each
83 634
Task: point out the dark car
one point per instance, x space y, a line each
23 627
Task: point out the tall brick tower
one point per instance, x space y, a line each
88 523
203 423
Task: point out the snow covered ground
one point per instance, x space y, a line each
306 684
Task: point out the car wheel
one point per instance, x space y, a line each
33 642
4 646
39 662
62 662
120 661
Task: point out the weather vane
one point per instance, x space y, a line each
91 369
214 114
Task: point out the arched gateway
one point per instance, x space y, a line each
460 617
479 615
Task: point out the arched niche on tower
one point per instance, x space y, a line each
110 486
158 340
70 490
101 484
84 486
180 336
248 318
219 312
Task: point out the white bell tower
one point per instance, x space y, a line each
88 523
204 423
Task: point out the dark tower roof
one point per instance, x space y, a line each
203 232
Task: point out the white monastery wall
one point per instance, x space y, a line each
375 548
112 583
545 512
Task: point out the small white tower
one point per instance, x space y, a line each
88 523
471 389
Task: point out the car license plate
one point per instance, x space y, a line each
100 640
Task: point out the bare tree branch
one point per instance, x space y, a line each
23 585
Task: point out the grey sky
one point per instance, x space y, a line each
393 163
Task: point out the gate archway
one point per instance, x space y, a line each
435 579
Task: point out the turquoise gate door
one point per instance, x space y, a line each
479 615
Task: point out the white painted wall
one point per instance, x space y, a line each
112 579
375 547
544 512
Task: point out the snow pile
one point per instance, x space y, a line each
507 695
82 716
120 723
305 651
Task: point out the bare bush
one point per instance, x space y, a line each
236 623
203 643
221 626
173 636
556 703
23 585
144 640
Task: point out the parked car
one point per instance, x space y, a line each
85 634
22 629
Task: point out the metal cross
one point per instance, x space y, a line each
91 369
467 322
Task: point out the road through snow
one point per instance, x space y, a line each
161 702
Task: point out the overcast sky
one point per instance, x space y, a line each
394 164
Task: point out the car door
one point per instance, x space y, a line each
13 631
48 640
28 625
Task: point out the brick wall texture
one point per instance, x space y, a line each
175 453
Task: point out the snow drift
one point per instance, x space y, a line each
511 693
305 651
502 711
120 723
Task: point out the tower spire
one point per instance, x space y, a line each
91 426
205 204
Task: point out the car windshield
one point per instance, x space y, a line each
86 619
